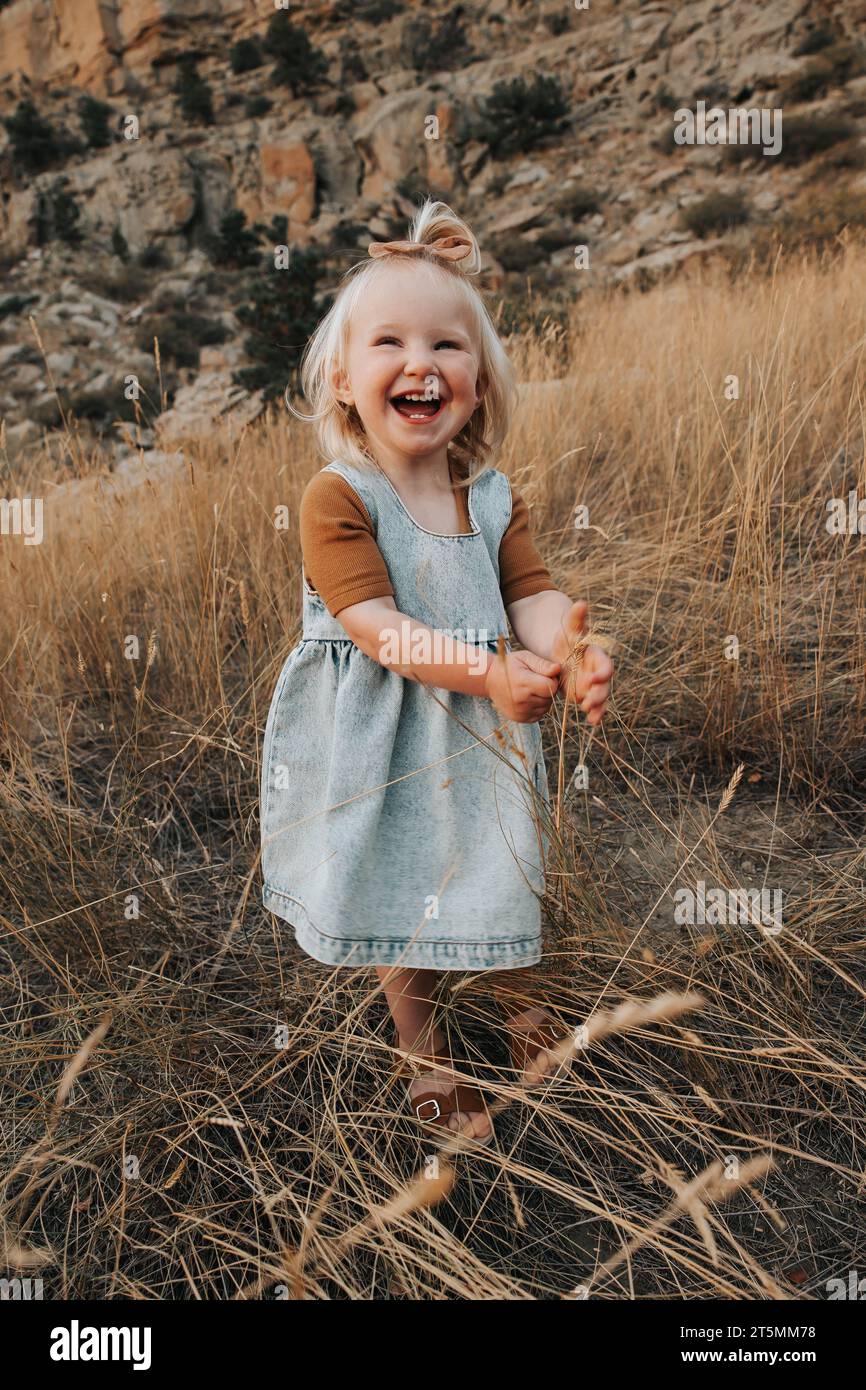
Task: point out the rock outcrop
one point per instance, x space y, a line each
344 162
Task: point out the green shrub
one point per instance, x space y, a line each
368 11
119 245
821 36
56 215
415 188
95 116
36 145
281 313
516 118
258 105
813 81
802 138
715 213
234 244
553 237
497 184
350 236
127 286
559 22
428 46
548 324
246 55
345 104
352 67
847 59
153 257
814 221
16 304
851 154
299 66
196 98
180 333
514 253
837 64
576 202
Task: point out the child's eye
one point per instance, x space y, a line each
448 342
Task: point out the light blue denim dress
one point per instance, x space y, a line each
397 828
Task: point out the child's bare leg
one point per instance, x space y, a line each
515 989
410 999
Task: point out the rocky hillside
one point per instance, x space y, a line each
154 153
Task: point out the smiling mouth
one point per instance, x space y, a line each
416 410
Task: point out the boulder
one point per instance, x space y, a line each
391 140
211 398
668 257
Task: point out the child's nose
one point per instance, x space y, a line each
419 363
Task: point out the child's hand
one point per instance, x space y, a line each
522 685
586 668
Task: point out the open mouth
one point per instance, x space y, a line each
413 406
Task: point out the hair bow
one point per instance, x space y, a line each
450 248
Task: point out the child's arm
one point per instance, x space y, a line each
552 625
521 686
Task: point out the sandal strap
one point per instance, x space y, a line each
438 1105
526 1043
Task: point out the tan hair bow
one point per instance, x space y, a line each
450 248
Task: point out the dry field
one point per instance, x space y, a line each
709 1142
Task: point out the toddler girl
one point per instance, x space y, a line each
404 791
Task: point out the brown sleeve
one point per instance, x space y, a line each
342 561
522 571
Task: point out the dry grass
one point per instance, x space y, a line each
709 1140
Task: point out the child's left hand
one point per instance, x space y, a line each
585 677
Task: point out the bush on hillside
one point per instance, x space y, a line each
246 55
234 244
802 138
821 35
576 202
368 11
154 257
281 313
299 66
36 145
515 253
180 334
716 213
430 46
196 98
258 105
813 222
516 117
56 215
95 116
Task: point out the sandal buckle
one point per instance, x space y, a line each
420 1106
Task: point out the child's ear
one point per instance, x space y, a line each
480 391
340 385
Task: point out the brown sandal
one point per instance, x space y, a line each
431 1109
525 1043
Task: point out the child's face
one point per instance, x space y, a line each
411 334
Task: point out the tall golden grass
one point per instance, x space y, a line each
134 782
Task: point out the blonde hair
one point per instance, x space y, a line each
339 428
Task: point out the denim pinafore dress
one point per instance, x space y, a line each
401 824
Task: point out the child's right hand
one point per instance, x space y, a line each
522 685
